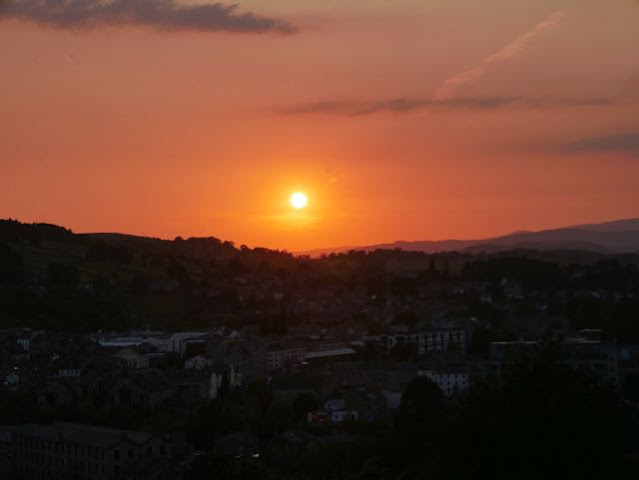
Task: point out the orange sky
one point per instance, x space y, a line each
404 119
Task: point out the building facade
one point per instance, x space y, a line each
430 340
76 452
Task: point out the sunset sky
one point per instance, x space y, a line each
399 119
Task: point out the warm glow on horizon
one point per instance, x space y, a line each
299 200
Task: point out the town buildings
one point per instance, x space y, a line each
73 451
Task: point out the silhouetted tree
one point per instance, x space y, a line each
545 417
304 402
422 403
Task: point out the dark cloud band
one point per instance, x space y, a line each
622 142
166 15
405 105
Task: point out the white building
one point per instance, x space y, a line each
176 342
448 381
431 340
277 358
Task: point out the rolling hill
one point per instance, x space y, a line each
619 236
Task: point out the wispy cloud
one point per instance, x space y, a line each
405 105
512 50
165 15
622 142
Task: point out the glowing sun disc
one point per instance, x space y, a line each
298 200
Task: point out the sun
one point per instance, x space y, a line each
298 200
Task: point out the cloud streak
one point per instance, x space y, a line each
623 142
512 50
406 105
163 15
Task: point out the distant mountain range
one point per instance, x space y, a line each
618 236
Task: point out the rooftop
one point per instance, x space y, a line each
81 434
329 353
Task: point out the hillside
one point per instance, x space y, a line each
51 278
619 236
